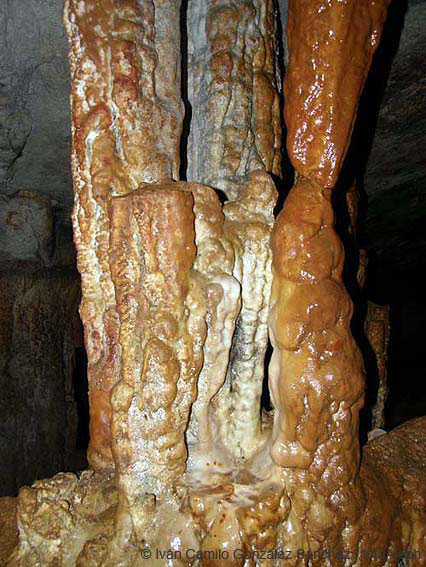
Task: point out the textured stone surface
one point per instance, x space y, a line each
396 174
233 88
214 265
8 528
395 178
38 302
377 329
172 261
393 477
151 256
126 116
66 519
26 230
248 224
34 107
69 521
34 104
316 372
326 98
40 330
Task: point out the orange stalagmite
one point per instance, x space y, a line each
125 67
316 372
162 332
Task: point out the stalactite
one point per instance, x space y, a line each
233 87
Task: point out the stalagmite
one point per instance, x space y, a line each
234 90
248 224
127 119
214 264
162 331
316 371
377 328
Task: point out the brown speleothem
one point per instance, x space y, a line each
185 281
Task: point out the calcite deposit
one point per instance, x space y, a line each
127 118
182 288
377 328
234 90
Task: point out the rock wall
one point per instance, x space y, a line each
40 331
34 103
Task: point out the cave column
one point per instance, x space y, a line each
234 146
125 66
316 372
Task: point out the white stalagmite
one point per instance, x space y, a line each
234 143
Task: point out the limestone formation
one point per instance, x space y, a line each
316 372
177 297
248 223
234 90
127 115
377 328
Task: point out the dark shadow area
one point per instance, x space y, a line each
284 183
353 172
184 91
221 196
266 397
404 291
81 395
